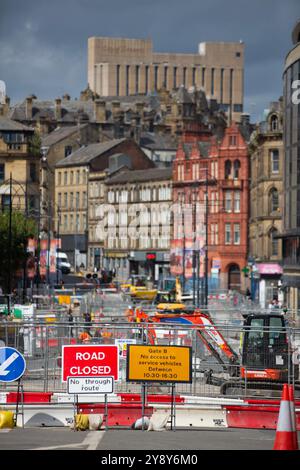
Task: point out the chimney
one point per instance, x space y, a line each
245 119
58 109
115 108
4 108
100 111
28 108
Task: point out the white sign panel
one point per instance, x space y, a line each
79 385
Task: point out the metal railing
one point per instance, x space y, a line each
41 343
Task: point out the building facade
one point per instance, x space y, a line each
211 190
138 223
79 177
266 202
122 67
20 162
291 212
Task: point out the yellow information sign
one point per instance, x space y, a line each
146 363
64 299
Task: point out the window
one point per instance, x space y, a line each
2 172
236 169
237 201
155 77
65 200
65 178
65 222
214 234
32 172
273 241
68 150
77 200
227 234
274 123
77 223
118 80
59 199
59 178
174 77
180 174
194 76
127 80
71 222
184 76
84 200
274 200
71 200
72 177
236 234
195 169
146 78
227 169
232 140
203 76
137 78
78 177
274 155
228 201
165 76
212 90
214 169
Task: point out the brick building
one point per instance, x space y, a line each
219 168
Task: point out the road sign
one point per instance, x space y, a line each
90 361
12 364
159 363
79 385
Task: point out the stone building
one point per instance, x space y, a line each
291 164
78 192
266 201
56 146
19 160
122 67
138 224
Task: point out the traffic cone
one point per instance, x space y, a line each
293 416
284 439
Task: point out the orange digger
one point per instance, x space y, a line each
263 363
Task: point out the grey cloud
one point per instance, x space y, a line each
43 45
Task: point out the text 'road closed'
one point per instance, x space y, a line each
90 361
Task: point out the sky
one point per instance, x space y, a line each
43 44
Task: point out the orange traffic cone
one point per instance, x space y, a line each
284 439
293 416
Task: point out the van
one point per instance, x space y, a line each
62 262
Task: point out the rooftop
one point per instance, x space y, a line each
152 174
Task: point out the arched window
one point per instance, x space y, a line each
274 123
236 169
227 169
273 241
273 200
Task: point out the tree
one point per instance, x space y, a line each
13 245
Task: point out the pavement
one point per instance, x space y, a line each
127 439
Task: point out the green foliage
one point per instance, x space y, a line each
35 144
22 228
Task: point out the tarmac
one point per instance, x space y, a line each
126 439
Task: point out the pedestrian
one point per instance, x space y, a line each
71 321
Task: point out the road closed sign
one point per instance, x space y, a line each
159 363
90 361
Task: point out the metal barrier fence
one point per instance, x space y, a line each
212 376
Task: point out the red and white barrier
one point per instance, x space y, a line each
191 410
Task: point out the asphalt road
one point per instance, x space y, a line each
126 439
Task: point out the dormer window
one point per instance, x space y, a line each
274 123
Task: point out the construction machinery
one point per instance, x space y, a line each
263 362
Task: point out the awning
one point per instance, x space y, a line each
269 268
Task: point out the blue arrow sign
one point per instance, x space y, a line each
12 364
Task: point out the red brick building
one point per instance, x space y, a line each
219 167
